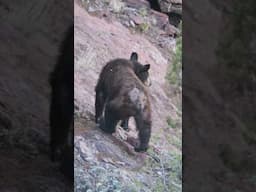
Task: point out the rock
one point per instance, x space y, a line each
132 141
127 23
176 1
132 24
137 4
168 6
171 30
176 9
137 19
91 9
161 18
173 8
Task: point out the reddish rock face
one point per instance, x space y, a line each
137 19
161 18
171 30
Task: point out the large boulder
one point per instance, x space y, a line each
173 8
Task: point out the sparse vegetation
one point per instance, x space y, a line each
143 12
180 26
144 27
167 169
174 74
165 165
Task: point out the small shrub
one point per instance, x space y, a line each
143 27
175 178
180 26
171 122
143 12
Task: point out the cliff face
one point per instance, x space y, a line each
30 35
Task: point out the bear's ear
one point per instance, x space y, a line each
134 56
146 67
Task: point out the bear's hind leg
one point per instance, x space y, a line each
108 124
99 105
124 124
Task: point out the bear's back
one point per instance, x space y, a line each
118 77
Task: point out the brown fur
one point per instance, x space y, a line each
122 93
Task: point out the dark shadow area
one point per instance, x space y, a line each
175 19
219 135
31 36
62 106
154 4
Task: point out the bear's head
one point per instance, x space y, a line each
140 70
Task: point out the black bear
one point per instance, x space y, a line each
62 104
121 93
144 77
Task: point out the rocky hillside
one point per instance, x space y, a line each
107 30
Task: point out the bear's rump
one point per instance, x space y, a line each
130 103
